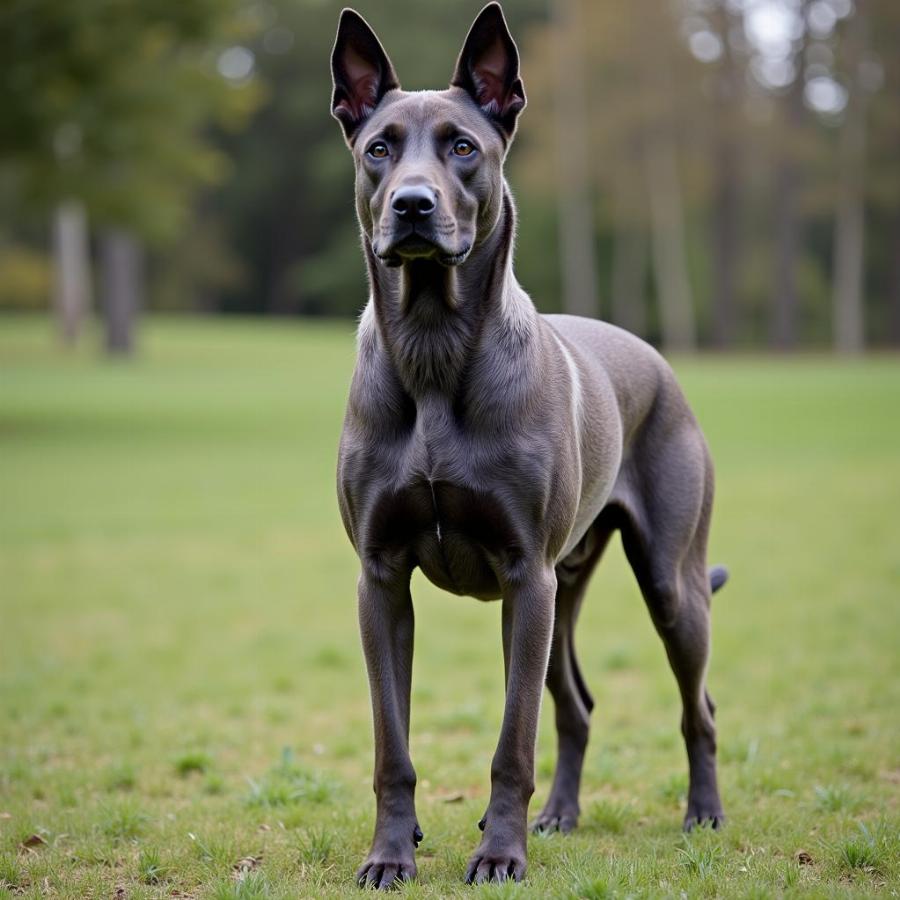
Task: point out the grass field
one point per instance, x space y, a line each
183 705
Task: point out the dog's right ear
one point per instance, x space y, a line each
361 71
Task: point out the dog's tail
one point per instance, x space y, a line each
718 575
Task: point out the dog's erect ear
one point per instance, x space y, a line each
488 68
361 72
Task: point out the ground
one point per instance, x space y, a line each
183 705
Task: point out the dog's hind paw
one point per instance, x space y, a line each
549 821
714 820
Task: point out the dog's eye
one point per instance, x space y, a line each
463 148
378 150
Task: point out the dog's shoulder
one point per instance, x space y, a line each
608 355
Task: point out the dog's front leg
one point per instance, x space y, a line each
386 626
528 625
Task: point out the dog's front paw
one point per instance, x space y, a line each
390 862
485 866
497 859
384 874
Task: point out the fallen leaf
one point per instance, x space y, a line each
33 840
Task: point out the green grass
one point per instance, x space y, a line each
183 705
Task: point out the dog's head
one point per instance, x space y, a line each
429 164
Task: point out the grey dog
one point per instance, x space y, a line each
498 449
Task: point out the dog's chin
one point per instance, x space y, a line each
415 246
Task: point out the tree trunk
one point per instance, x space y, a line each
894 288
121 268
785 301
71 269
629 266
849 226
726 191
676 312
629 249
576 221
725 245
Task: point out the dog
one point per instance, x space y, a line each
498 449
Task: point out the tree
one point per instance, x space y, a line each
106 108
71 282
639 81
577 237
879 73
787 187
728 169
849 225
650 87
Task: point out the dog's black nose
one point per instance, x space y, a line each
414 203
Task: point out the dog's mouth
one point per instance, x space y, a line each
413 244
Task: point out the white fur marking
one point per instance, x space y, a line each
575 383
437 521
366 322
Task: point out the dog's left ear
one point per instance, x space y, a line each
361 71
488 68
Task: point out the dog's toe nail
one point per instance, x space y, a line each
388 877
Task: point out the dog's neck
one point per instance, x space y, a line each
431 317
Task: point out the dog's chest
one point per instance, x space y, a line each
461 511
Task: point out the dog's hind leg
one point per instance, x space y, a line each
571 697
664 533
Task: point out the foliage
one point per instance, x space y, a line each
25 281
204 126
106 102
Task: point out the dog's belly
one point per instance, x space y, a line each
474 541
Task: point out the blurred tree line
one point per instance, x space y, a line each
703 172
